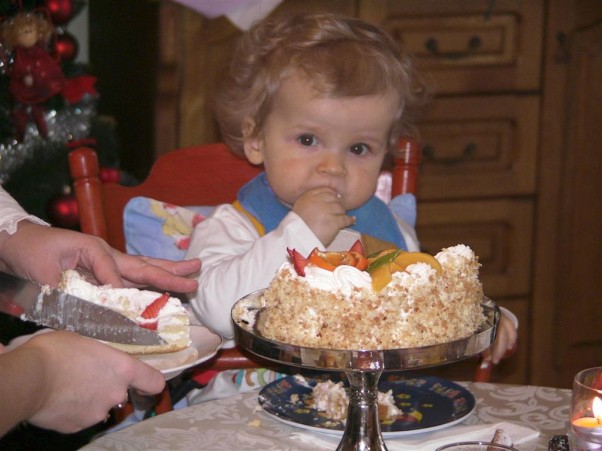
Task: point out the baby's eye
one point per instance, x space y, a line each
307 140
359 149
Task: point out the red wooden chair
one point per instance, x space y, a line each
201 175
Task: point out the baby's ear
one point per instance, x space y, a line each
251 141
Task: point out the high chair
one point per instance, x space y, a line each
201 175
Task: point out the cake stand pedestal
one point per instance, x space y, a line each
363 368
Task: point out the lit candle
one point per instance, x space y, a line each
590 428
596 420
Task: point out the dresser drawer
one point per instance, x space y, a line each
479 147
498 231
467 47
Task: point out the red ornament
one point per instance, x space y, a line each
61 11
63 212
66 46
76 87
109 175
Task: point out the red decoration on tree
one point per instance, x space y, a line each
35 76
66 46
63 211
76 87
109 175
61 11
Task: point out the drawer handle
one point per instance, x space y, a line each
428 153
473 44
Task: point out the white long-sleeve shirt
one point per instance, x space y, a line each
11 213
237 260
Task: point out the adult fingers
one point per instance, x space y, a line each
146 379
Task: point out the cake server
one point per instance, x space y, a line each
53 308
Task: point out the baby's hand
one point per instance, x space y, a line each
323 211
505 342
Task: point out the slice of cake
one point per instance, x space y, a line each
332 399
392 300
150 309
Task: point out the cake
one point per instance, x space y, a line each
393 300
152 310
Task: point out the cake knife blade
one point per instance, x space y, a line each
53 308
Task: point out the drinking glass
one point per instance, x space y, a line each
585 428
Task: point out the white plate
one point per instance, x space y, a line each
205 345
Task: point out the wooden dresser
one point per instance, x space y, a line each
478 175
496 171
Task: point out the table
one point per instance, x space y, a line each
238 423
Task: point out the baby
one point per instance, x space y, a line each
319 100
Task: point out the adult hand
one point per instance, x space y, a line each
323 211
66 382
42 253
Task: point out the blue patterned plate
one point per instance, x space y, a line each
427 403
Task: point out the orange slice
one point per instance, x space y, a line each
381 276
330 260
406 259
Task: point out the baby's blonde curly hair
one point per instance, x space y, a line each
13 26
340 56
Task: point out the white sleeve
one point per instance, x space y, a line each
11 213
237 261
409 235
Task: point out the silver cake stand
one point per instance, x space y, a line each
363 368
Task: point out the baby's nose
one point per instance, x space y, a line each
332 165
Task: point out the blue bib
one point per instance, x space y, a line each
373 218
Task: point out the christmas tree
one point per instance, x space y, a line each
47 107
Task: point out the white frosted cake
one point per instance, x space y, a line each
152 310
406 300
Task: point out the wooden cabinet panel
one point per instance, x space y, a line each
438 42
478 147
499 232
567 304
467 47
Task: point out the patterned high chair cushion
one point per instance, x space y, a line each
159 229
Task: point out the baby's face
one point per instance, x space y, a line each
311 141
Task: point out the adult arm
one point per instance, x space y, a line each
42 253
65 382
31 249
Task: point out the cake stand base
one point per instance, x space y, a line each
362 432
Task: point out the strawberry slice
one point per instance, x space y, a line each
152 310
357 247
299 261
151 326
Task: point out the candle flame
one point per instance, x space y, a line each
597 409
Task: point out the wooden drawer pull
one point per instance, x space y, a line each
473 44
428 154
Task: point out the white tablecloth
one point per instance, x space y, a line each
238 423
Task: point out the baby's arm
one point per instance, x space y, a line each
505 342
237 261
